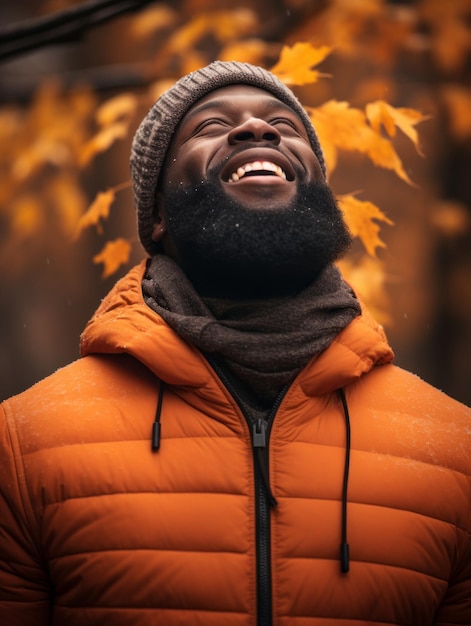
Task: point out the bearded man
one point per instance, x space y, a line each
235 446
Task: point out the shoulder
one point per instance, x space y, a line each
398 413
83 395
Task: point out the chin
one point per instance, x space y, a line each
229 247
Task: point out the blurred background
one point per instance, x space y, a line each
77 77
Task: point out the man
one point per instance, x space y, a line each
235 447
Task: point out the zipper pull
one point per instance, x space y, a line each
259 429
259 442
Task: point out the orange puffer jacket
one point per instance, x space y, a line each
228 523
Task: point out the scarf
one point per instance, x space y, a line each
260 344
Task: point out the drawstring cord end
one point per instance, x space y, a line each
344 557
155 436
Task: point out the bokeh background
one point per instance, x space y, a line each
61 61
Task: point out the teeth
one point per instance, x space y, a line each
264 166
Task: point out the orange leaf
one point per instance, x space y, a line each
102 141
360 216
381 152
458 102
99 209
341 127
149 21
113 255
27 216
224 25
122 106
296 63
381 113
368 277
338 127
248 51
65 193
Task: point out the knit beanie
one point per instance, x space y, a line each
154 135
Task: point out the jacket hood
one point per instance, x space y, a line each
123 323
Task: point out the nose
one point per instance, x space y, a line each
254 129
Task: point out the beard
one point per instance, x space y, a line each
229 250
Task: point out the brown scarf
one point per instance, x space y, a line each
260 344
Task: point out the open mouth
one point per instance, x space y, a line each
257 168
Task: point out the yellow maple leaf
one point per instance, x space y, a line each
380 113
296 62
27 216
99 209
113 255
340 126
250 50
458 103
115 109
368 278
149 21
382 153
229 25
360 216
102 141
224 25
65 194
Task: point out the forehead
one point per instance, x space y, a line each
235 97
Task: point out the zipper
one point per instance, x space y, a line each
264 500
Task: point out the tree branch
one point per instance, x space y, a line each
65 26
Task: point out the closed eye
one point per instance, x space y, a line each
208 123
284 121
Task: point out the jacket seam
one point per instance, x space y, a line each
18 460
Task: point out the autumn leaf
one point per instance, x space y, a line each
115 109
360 216
99 209
27 216
451 218
382 153
380 113
341 127
65 194
224 25
367 276
149 21
113 255
296 63
102 141
458 102
251 50
450 32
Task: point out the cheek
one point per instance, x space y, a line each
184 168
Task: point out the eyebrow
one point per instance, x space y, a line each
271 102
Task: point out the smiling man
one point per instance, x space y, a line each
235 446
244 199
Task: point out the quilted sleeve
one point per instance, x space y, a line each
455 608
24 589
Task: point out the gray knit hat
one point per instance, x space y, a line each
154 135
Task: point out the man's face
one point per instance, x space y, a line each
243 205
257 146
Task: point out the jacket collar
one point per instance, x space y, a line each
124 323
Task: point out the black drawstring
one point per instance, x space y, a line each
344 547
156 424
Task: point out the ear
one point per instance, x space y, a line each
160 223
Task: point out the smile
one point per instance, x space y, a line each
257 168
